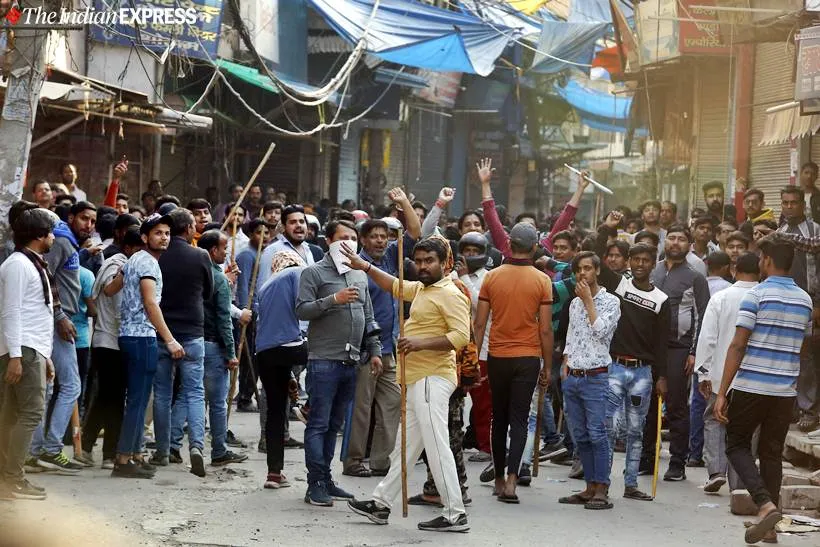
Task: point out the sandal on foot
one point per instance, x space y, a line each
419 499
575 499
508 499
597 504
808 422
759 530
635 494
357 471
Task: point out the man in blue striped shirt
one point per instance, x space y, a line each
762 366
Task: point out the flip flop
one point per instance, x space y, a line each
597 504
638 495
508 499
759 530
575 499
419 500
357 471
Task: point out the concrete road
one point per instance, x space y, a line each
230 507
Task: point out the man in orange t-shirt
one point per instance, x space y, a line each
520 298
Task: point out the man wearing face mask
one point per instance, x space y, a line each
472 250
380 393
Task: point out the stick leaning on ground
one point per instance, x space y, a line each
243 334
536 447
238 202
76 435
657 447
402 379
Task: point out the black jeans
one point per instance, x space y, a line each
105 410
247 367
275 365
512 382
746 412
677 413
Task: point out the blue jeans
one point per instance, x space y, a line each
191 400
140 355
332 386
585 400
48 437
696 409
630 393
217 380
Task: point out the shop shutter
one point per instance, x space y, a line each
711 158
428 153
769 165
348 185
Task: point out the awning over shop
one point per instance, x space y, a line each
483 96
570 43
53 91
596 108
404 78
502 15
252 76
415 34
784 123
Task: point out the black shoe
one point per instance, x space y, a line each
695 463
229 457
159 459
646 469
197 462
370 509
524 476
337 493
234 442
293 443
262 446
317 495
440 524
174 456
246 407
675 473
562 459
488 474
131 470
551 451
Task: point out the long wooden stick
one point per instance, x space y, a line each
536 447
657 447
233 245
243 334
238 202
76 432
402 379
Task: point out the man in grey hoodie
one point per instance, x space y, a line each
64 264
339 309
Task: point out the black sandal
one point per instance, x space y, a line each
575 499
808 422
635 494
420 500
508 499
357 471
597 504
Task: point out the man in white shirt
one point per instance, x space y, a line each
27 321
68 173
717 332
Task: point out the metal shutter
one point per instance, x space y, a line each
769 166
711 158
348 186
428 152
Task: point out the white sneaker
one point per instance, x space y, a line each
108 464
714 484
814 434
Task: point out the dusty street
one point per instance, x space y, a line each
229 507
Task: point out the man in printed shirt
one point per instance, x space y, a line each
439 324
593 318
762 365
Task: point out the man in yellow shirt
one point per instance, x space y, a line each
439 325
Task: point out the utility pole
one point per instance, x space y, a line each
25 64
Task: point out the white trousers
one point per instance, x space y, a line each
428 404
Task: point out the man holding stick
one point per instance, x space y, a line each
439 324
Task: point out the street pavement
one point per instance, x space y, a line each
230 507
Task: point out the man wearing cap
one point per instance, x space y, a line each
519 297
141 321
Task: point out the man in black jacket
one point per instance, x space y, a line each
187 282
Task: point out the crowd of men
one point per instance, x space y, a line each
124 315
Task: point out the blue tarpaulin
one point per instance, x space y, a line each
572 40
596 109
413 34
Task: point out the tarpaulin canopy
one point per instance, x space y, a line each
569 43
595 108
503 15
419 35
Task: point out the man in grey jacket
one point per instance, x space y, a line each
339 309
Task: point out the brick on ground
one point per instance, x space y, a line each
741 503
793 479
800 497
